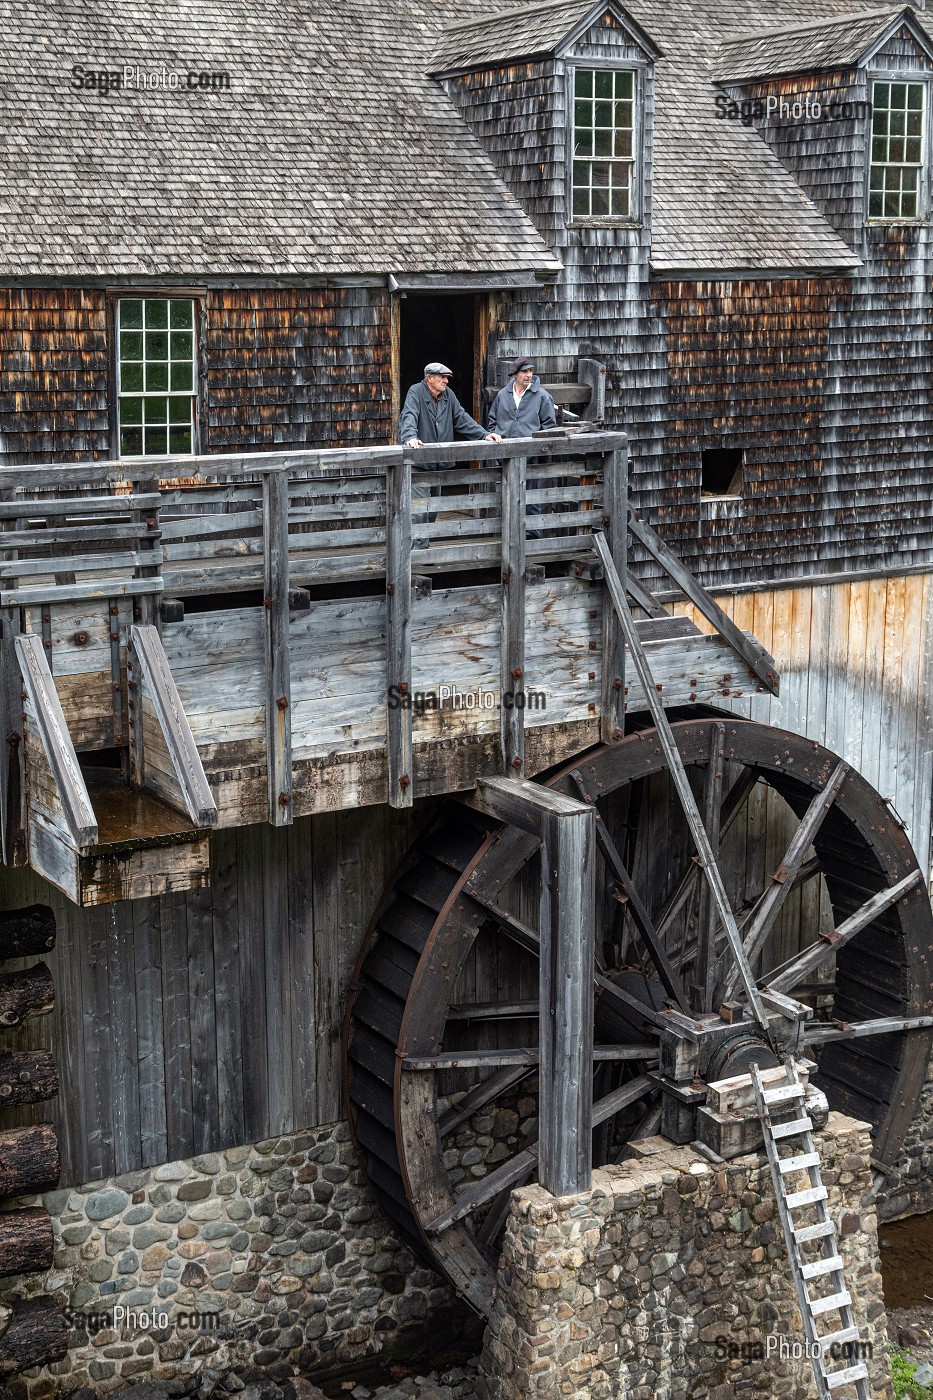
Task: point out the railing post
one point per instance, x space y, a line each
398 634
512 618
615 525
278 669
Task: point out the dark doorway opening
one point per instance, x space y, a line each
721 471
445 328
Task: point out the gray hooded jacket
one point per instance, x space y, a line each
535 411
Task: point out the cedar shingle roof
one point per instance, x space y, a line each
839 42
332 152
512 35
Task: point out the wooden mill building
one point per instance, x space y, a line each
230 238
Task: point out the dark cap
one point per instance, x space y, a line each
521 362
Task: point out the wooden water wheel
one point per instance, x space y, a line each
443 1005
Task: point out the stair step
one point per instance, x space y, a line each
832 1303
814 1232
805 1198
846 1377
819 1267
847 1334
792 1128
785 1093
799 1164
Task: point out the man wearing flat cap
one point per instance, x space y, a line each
522 407
433 413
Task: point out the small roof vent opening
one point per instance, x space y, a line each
721 471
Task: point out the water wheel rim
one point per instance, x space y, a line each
795 767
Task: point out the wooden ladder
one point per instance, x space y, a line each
797 1133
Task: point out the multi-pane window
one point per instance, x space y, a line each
156 375
897 150
603 144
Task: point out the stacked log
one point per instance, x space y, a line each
32 1332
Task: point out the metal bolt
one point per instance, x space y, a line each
516 762
403 687
617 683
282 702
517 673
404 781
285 799
591 675
390 588
80 639
506 575
267 602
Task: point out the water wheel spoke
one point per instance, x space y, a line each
517 1056
772 901
799 967
640 916
705 959
511 1172
481 1095
881 1025
493 1010
512 927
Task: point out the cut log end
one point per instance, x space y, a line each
29 992
27 1076
26 1245
26 932
36 1335
29 1160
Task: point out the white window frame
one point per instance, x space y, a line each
191 396
892 78
634 216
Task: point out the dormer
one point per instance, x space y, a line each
845 103
561 96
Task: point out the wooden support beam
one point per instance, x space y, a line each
882 1025
615 522
512 617
566 965
752 653
806 962
399 745
25 932
28 992
56 741
26 1244
12 770
278 668
27 1076
29 1160
704 975
36 1334
154 682
681 782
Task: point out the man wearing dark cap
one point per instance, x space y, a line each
433 413
522 407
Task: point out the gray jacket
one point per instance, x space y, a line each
535 411
422 418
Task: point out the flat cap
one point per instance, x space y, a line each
521 362
435 367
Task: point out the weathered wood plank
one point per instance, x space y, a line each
512 617
398 666
278 664
615 524
157 685
55 739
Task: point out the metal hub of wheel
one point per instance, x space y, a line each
835 920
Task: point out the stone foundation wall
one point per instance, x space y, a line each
908 1189
272 1256
666 1280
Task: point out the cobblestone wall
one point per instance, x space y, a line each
271 1256
641 1287
908 1189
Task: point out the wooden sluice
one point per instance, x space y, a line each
257 638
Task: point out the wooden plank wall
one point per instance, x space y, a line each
856 665
283 367
195 1021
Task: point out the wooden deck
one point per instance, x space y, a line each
262 637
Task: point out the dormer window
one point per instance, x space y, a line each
897 150
604 176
